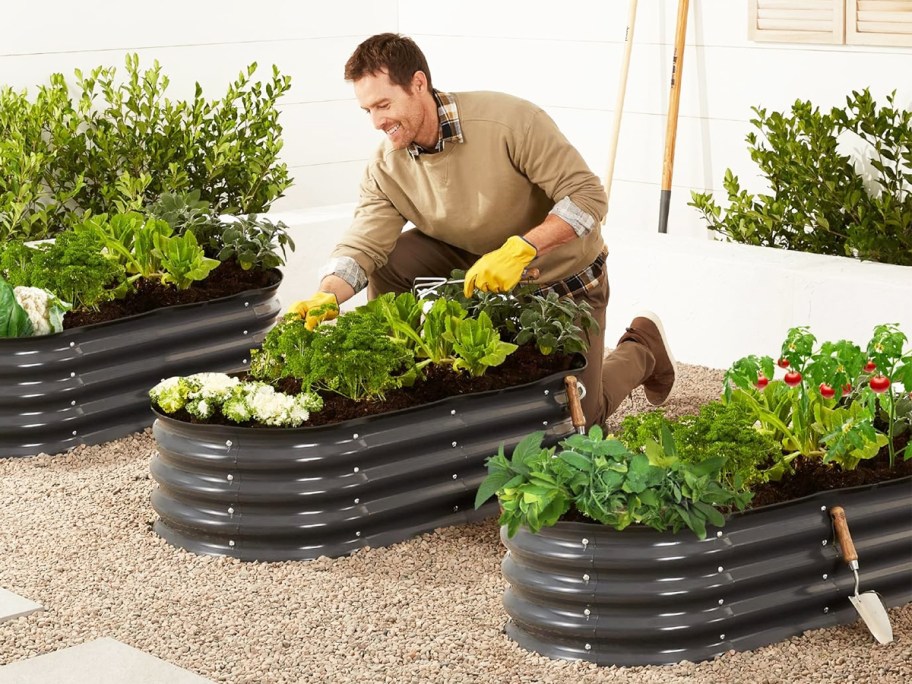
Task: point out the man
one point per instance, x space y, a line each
491 186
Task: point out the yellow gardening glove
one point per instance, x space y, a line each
500 270
323 306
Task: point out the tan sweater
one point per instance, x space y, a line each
513 167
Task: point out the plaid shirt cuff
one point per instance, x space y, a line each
581 222
347 269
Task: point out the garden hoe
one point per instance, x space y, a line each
868 604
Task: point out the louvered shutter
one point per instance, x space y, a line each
797 21
879 22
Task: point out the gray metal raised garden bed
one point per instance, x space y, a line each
271 494
90 384
582 591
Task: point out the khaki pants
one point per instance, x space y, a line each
608 380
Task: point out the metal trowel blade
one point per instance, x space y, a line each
872 611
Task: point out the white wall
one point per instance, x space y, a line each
564 56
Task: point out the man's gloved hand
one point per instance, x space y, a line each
323 306
500 270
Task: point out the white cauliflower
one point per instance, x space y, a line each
44 309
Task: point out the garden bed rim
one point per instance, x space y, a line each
173 307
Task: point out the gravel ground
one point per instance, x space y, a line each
75 535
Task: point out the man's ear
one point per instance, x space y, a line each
419 81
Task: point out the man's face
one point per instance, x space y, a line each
393 110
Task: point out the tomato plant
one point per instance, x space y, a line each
826 391
870 367
782 363
762 381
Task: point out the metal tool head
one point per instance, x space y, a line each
871 609
423 286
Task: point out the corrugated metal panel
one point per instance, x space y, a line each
290 494
582 591
90 384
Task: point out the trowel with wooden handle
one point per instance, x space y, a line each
868 604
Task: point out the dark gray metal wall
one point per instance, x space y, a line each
282 494
639 597
89 385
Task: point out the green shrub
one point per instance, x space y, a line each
121 144
818 200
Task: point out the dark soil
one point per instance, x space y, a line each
227 279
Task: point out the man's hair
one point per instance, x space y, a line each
397 55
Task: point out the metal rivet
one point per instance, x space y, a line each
357 501
355 436
721 601
357 469
454 443
585 542
230 511
73 403
231 542
545 423
823 508
721 568
358 534
246 303
227 442
719 534
825 575
547 392
230 477
585 578
452 412
824 542
245 332
587 612
74 433
455 508
244 361
588 647
455 476
72 374
721 636
72 344
826 610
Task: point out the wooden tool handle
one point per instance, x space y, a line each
843 536
573 400
530 274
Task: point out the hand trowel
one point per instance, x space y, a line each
868 604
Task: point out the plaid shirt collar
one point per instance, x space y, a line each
450 130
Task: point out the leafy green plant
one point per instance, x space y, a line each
477 344
72 267
14 321
182 260
254 242
818 200
601 479
120 143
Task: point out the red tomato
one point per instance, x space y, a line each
880 383
783 363
846 388
826 391
870 367
762 382
793 378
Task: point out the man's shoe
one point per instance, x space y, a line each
646 329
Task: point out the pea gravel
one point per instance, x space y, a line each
75 535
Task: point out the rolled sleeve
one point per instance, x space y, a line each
581 222
348 270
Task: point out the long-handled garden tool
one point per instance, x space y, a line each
868 604
622 89
677 69
422 286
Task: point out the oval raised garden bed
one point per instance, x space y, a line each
90 384
271 494
584 591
